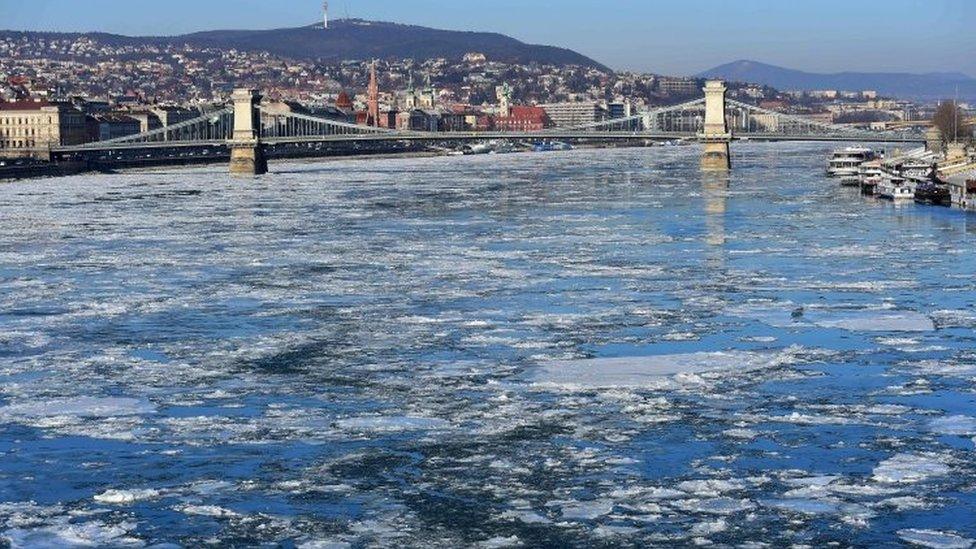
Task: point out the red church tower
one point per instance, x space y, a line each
373 109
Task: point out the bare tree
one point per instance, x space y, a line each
951 121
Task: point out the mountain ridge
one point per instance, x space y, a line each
348 39
928 86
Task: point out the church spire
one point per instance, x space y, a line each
373 113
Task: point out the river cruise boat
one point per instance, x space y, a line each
895 187
845 163
869 175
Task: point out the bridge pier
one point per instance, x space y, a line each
246 153
716 137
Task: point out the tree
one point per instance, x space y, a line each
951 121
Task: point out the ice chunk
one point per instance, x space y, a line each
716 506
874 321
499 541
86 534
954 425
586 510
207 511
389 424
123 497
803 506
935 539
710 487
911 468
95 407
645 372
325 544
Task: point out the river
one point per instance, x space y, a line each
593 347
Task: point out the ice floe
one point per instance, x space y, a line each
954 425
124 497
909 468
650 372
84 406
935 539
389 424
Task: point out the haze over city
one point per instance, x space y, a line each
666 37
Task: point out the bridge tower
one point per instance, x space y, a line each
246 154
716 137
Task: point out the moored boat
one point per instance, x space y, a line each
845 162
933 193
895 187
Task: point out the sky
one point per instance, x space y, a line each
664 36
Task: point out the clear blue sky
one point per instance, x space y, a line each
668 36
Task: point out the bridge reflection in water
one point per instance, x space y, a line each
244 132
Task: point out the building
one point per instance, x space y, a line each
679 86
962 189
344 102
30 128
425 98
112 125
169 116
419 120
523 119
503 94
568 115
475 58
148 120
454 122
619 110
821 117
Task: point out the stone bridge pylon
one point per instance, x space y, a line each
716 135
246 153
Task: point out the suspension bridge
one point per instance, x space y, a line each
246 132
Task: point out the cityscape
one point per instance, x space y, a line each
386 273
126 90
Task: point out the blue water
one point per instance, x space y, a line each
367 353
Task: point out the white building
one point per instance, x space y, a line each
568 115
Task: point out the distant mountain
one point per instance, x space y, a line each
354 39
936 85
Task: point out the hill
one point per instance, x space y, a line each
354 39
930 86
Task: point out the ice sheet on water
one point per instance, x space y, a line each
586 510
125 497
954 425
911 468
70 535
874 321
83 406
650 372
716 506
804 506
935 539
390 424
325 544
954 318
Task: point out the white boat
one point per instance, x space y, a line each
845 162
869 176
895 187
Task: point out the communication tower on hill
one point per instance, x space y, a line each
325 15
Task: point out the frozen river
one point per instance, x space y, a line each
579 348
